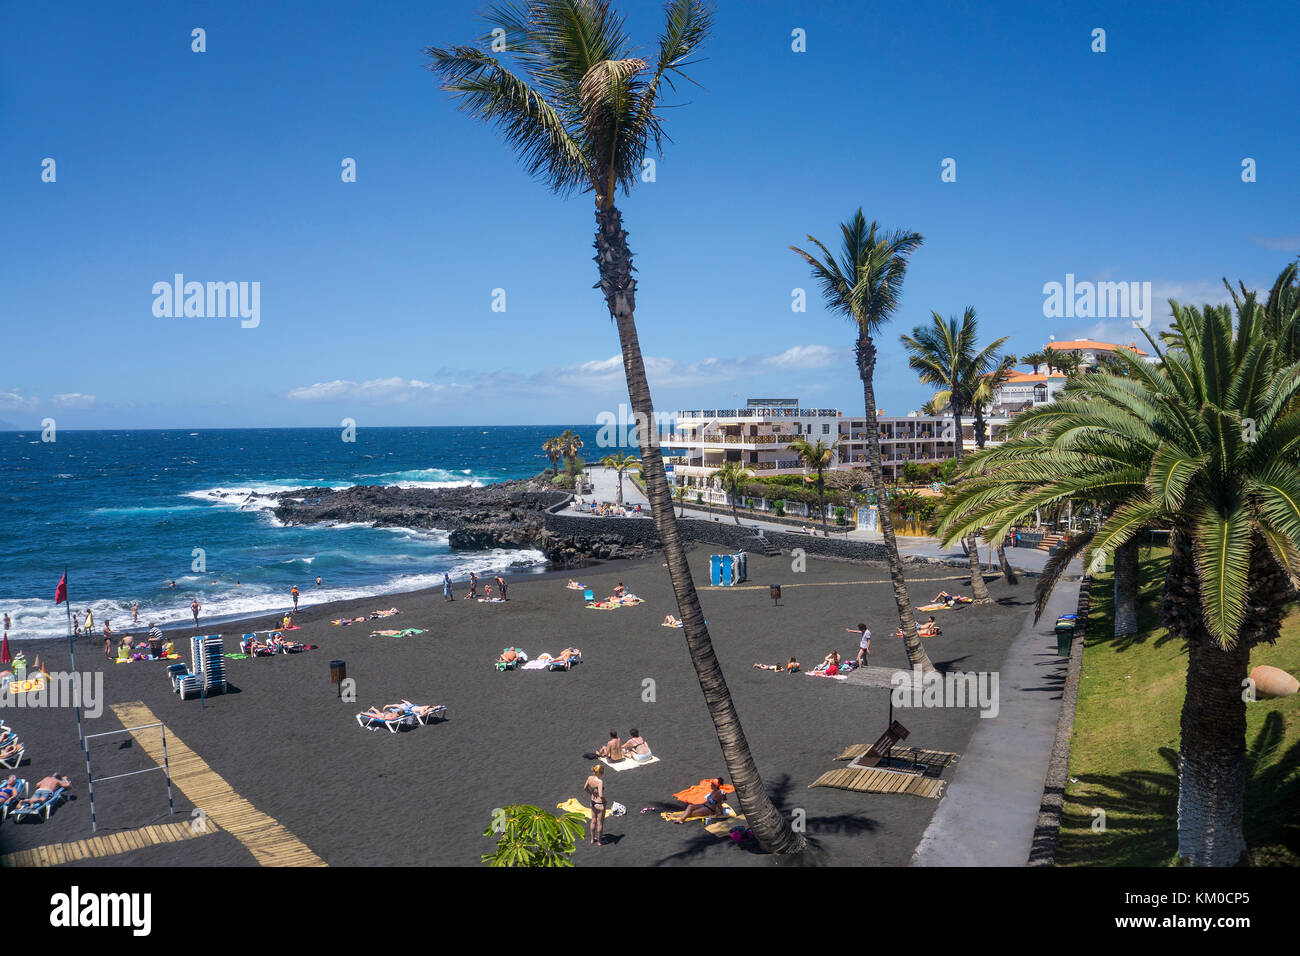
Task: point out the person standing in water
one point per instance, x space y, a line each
135 612
294 594
318 581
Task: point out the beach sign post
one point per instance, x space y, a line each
61 597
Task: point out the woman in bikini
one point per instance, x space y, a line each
711 807
595 787
636 747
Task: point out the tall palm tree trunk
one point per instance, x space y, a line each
614 259
916 654
1008 572
978 590
1212 755
1126 588
821 502
619 493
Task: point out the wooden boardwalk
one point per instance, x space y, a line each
269 842
880 781
110 844
933 758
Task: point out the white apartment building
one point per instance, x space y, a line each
759 435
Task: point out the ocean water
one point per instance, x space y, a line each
124 511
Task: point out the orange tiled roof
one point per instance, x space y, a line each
1090 345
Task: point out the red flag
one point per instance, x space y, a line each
61 592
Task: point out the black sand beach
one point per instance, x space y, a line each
287 745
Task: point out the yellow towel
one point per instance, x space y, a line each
572 805
718 828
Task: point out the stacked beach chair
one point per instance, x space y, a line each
208 670
728 570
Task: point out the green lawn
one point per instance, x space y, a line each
1123 756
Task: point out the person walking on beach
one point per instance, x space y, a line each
8 624
501 585
595 787
108 647
446 587
194 609
89 626
135 612
864 643
294 594
473 585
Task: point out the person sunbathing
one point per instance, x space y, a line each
711 807
930 628
612 751
943 597
567 655
792 666
387 712
768 667
619 590
406 707
636 747
8 789
508 656
670 621
44 790
10 749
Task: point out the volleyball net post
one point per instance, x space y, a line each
166 771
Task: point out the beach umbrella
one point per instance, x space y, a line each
5 656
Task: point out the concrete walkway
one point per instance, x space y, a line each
604 488
988 815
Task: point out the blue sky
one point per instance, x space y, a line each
376 295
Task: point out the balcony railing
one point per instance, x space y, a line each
759 413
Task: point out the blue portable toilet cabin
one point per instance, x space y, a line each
715 570
741 566
727 562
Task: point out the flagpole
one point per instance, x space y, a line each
72 659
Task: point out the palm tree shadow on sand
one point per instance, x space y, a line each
1147 804
781 790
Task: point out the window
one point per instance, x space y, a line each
826 428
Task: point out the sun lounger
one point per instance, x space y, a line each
392 722
13 760
437 712
20 790
41 809
555 664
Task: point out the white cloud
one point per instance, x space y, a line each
12 400
663 371
394 390
1278 243
72 400
806 356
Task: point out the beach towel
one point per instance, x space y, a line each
388 613
491 600
932 607
678 624
573 805
403 632
601 606
538 665
237 657
627 763
828 676
699 791
718 826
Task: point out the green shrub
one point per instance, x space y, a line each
780 507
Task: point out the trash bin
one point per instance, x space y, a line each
1064 637
338 673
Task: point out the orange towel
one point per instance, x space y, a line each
697 793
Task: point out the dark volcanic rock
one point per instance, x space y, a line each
504 515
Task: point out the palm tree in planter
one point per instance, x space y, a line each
619 463
818 456
734 478
944 355
1203 444
864 285
582 111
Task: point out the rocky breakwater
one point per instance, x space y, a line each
507 514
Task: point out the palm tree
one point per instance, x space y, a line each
570 444
1202 444
944 355
554 452
985 392
582 114
817 455
619 463
680 494
864 285
734 477
1035 360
